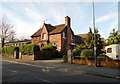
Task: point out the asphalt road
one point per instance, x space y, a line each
12 72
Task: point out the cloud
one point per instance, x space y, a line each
106 18
32 14
103 18
112 16
25 29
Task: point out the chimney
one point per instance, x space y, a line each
67 21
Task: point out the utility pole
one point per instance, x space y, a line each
95 58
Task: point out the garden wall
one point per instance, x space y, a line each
106 63
27 57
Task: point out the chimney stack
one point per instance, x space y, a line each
67 21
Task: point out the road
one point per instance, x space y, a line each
12 72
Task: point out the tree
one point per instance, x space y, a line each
114 38
6 28
89 42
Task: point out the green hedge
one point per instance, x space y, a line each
76 51
8 50
49 51
49 47
87 53
27 49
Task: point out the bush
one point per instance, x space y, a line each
87 53
8 50
49 51
49 47
65 58
76 51
27 49
102 57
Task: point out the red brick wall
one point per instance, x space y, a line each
56 38
35 40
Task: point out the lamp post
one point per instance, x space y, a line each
95 58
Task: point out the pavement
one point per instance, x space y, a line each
58 65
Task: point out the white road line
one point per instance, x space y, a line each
45 80
12 70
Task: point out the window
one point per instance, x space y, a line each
43 36
109 50
63 34
71 37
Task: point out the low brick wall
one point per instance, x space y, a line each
27 57
110 64
9 56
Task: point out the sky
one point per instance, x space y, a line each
28 16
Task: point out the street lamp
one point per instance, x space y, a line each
95 58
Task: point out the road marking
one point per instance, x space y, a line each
26 64
45 80
12 70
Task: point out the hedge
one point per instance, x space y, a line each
76 51
49 51
87 53
49 47
8 50
27 49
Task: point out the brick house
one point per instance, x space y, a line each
60 35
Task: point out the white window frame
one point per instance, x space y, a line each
44 36
71 37
64 35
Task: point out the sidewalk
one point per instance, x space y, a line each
57 64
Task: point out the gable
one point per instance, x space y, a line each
36 34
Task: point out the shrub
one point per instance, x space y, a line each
87 53
27 49
77 51
8 50
49 47
65 58
102 57
49 51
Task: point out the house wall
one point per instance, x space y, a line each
56 38
35 40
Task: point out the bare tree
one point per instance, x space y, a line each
12 36
6 28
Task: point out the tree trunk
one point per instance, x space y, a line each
3 40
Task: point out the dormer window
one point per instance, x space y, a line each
64 35
44 36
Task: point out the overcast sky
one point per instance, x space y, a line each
28 16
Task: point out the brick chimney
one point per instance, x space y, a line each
67 21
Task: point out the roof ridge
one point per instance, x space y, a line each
59 25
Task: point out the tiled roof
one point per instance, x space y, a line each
83 35
78 39
49 27
58 29
37 33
